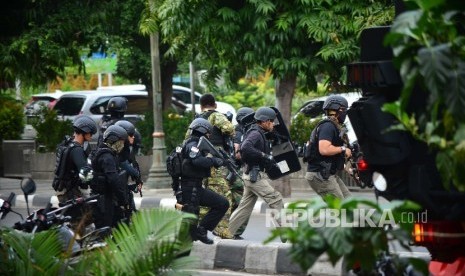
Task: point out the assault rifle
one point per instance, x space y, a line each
205 145
137 179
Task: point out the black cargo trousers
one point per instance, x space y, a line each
194 195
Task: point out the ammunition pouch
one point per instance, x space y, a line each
325 169
231 178
192 205
254 174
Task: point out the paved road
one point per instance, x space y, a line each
217 259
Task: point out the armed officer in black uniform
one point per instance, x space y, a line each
127 161
76 170
256 154
195 167
327 150
116 106
108 180
76 159
237 186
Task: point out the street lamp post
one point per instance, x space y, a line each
158 176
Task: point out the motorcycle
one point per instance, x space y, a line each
358 168
55 218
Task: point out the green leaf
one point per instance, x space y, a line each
30 254
419 265
336 237
405 23
459 135
455 90
152 242
443 161
428 4
435 64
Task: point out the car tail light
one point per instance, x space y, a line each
372 74
362 165
456 268
438 233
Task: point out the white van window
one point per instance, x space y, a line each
69 106
100 105
137 105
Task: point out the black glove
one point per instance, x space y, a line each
268 159
217 162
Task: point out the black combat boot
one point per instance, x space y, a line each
201 234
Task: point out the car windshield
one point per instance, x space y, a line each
185 96
313 109
69 106
100 105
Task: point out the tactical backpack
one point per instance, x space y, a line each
311 147
62 152
174 166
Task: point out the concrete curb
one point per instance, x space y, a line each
41 200
246 256
254 257
164 200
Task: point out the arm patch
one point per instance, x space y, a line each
194 152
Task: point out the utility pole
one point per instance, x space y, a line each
191 79
158 176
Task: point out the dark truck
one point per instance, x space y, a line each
407 165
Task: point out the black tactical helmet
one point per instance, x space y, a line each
85 124
265 114
114 133
128 126
242 112
201 125
334 102
118 104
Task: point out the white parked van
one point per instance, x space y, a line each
94 103
181 97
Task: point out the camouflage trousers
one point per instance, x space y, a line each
233 193
218 184
237 191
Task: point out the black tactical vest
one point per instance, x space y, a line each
336 160
98 182
189 171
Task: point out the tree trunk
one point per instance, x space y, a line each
167 72
284 89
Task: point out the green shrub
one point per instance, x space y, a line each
301 127
174 126
11 119
50 130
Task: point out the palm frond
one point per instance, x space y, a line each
29 254
152 244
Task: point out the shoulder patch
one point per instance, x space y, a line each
194 151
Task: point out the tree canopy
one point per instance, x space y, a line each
42 37
291 38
